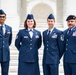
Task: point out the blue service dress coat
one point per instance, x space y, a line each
70 46
28 51
53 45
69 51
5 42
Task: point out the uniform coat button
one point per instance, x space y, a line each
47 48
30 44
30 48
47 45
66 48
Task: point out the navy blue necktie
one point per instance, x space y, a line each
1 29
69 31
49 33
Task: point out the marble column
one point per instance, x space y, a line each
10 7
69 8
59 11
23 11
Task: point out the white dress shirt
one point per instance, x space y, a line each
30 32
50 30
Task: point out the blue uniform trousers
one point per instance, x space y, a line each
50 69
70 68
4 68
28 68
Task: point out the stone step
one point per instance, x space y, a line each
14 68
59 73
11 73
40 74
43 26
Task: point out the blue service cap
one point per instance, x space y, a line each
71 17
2 12
30 16
51 16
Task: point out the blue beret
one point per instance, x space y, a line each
2 12
30 16
71 17
51 16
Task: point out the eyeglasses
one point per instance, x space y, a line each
2 16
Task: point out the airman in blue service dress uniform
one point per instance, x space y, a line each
5 41
70 46
53 44
28 41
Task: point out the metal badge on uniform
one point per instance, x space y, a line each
8 32
54 35
36 36
25 36
36 33
62 37
74 33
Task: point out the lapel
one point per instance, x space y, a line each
27 33
46 35
35 34
52 33
6 30
73 30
